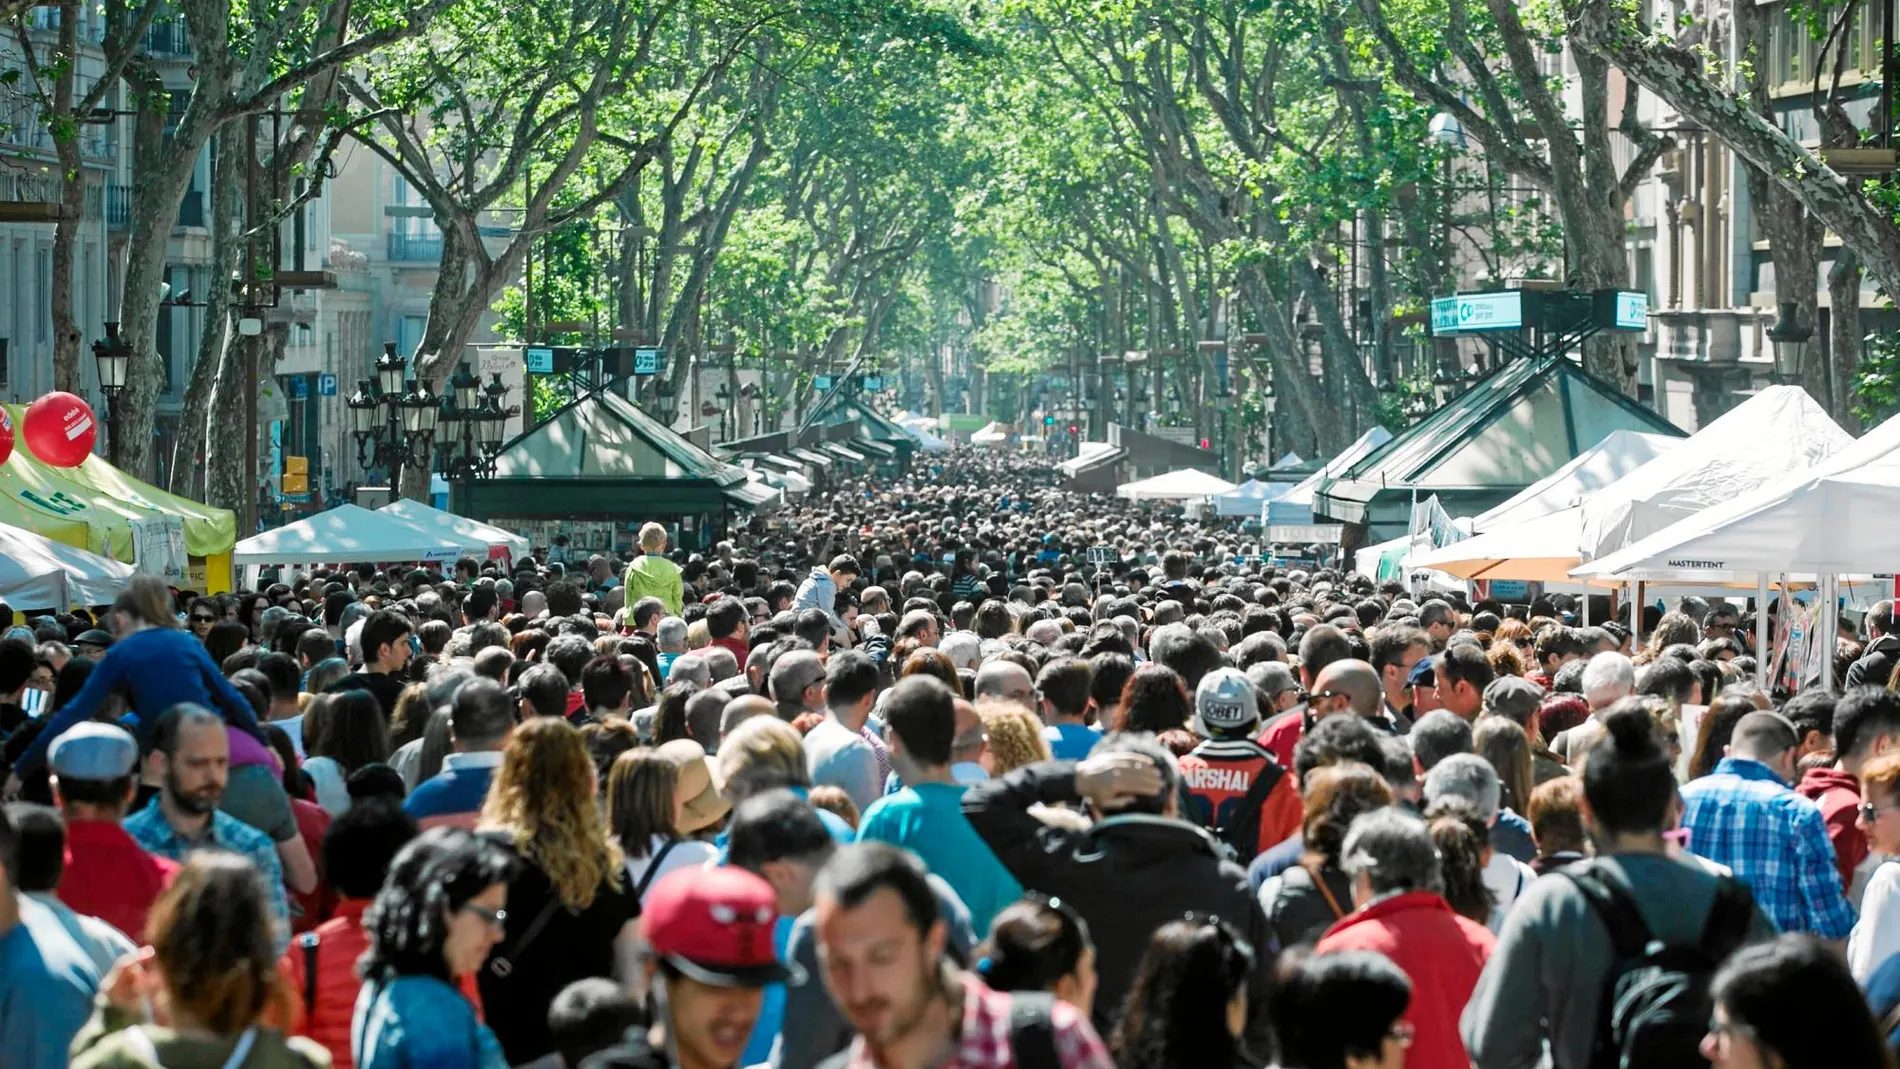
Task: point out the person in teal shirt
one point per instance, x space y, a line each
926 816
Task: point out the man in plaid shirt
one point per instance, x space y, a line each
1746 817
881 948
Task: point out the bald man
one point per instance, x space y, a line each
1008 681
1354 686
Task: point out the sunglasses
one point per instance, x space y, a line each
494 918
200 618
1870 812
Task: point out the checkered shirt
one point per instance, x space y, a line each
1774 840
983 1038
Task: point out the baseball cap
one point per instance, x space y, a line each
1424 673
715 925
1224 703
698 784
1514 697
94 751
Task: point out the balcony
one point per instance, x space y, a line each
168 39
415 248
118 207
191 210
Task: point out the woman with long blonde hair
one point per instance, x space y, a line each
570 912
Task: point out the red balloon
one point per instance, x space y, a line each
60 429
6 435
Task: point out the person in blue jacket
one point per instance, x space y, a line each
156 665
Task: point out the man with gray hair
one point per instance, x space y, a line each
670 637
1402 914
1471 779
693 668
1608 678
1744 815
963 648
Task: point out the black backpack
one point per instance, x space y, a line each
1656 1002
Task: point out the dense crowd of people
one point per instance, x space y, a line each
945 771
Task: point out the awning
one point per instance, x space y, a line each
1093 455
881 449
753 495
811 456
776 462
843 452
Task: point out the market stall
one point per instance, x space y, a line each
37 572
502 544
350 534
1183 485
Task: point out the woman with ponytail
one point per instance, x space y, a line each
1040 944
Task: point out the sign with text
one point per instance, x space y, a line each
1103 555
326 385
1470 313
1622 309
540 360
648 360
1302 533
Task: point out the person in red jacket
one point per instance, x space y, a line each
1235 788
320 965
1399 913
1865 723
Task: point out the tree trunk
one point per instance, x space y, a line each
188 450
1844 337
225 479
161 175
72 195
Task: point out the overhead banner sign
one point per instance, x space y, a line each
1469 313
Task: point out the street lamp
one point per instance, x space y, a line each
114 357
392 418
1790 337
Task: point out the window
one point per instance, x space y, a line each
43 280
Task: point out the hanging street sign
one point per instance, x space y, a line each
1469 313
540 360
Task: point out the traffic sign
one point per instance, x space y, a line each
540 360
299 387
326 385
648 360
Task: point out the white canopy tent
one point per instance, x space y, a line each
39 573
495 538
1183 485
991 434
1777 431
1246 499
1533 536
1752 444
1621 452
349 534
1836 517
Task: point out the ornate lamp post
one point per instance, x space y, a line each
393 419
